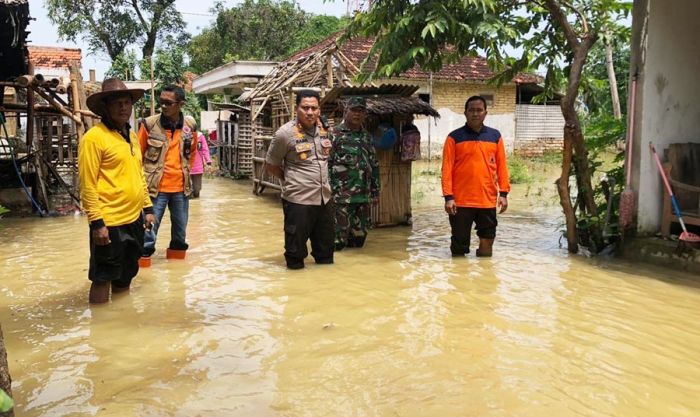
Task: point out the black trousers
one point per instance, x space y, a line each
117 261
461 223
301 223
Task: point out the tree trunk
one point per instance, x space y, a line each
617 112
580 45
583 169
565 197
5 380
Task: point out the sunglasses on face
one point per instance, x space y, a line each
168 103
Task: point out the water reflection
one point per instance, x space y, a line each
397 328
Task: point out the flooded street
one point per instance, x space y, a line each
397 328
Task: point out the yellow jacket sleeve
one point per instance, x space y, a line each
89 161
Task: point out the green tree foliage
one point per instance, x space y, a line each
595 86
316 29
111 25
168 63
123 66
556 35
258 30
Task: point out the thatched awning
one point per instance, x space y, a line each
386 105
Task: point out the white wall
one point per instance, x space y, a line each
450 120
668 97
209 118
538 122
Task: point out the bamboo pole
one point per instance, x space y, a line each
11 84
81 99
88 113
57 105
30 113
75 93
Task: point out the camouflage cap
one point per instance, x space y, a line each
356 101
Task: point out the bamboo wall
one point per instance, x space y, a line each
236 144
394 206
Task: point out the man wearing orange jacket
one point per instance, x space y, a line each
168 143
474 180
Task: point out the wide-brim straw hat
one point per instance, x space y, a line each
111 87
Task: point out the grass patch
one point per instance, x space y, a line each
548 158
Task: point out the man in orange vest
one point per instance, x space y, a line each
169 143
474 180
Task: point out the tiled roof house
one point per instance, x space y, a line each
525 127
53 61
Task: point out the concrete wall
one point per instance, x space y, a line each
210 117
668 109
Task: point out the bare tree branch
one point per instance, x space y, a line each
559 17
581 16
135 5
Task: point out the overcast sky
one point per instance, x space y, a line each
196 14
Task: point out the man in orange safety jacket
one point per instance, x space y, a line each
474 180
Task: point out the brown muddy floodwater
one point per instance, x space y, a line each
398 328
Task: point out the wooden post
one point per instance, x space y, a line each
79 99
153 90
61 141
329 70
39 168
30 113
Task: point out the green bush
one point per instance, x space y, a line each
519 172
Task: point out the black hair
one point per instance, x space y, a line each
306 94
179 92
475 98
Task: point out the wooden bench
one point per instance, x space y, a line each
683 172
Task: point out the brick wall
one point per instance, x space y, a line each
453 94
538 147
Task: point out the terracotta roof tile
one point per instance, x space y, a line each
469 68
53 56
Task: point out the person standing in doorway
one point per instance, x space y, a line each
298 155
113 191
354 174
201 160
474 180
169 143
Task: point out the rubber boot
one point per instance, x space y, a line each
145 262
175 254
485 248
99 292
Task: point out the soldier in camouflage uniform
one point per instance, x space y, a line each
354 173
